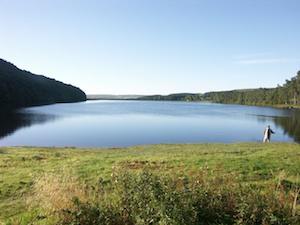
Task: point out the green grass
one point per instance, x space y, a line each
252 162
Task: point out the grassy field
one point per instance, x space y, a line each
251 163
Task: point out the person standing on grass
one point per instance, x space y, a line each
267 134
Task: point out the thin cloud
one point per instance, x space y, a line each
267 61
258 55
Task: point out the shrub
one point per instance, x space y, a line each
145 198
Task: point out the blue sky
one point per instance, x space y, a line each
154 46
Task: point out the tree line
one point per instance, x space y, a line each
287 94
173 97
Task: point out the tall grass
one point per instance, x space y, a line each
55 193
144 198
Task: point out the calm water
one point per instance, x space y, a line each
125 123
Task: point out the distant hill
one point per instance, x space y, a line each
173 97
113 97
20 88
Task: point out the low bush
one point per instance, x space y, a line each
145 198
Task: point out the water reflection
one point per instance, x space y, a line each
11 121
290 125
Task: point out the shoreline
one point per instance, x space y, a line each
288 106
100 148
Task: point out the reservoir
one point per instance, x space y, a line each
106 123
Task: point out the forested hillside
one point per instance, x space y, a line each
20 88
287 94
261 96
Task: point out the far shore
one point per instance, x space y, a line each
136 98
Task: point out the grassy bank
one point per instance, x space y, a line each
28 175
